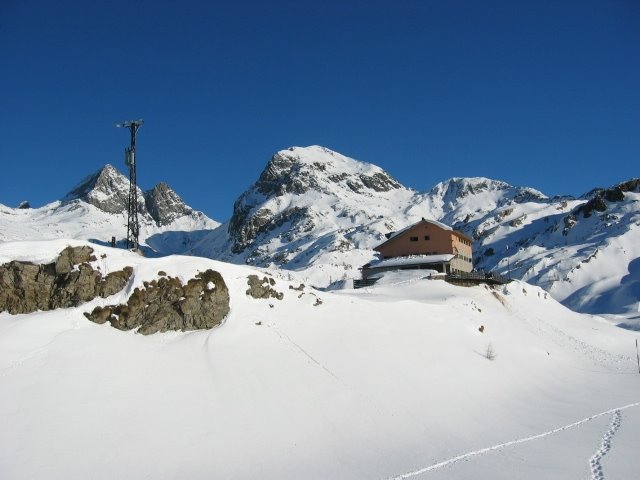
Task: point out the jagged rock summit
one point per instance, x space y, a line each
96 210
108 190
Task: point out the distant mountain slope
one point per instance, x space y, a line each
95 210
585 252
316 210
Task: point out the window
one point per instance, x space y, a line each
426 237
413 239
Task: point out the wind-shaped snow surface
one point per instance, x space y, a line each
375 383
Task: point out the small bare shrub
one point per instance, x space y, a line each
490 353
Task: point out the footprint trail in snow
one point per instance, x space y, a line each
605 446
595 464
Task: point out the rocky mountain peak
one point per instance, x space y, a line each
300 186
297 170
164 204
106 189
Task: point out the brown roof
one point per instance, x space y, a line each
395 235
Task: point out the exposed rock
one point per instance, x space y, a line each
68 282
569 221
262 288
106 189
167 304
165 205
597 197
380 182
503 214
24 205
71 256
516 222
597 204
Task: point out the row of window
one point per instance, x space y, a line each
463 241
415 239
464 257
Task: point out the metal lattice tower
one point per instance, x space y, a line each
133 226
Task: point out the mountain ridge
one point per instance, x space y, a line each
311 211
319 213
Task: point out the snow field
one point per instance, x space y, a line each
370 384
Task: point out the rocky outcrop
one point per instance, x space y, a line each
68 282
262 288
166 304
599 197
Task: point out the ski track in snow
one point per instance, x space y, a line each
605 446
594 461
286 338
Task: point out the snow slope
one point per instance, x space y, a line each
385 382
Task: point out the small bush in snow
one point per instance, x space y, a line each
490 353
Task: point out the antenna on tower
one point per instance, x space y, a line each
133 226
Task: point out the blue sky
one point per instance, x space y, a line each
537 93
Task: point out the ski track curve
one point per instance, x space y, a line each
605 447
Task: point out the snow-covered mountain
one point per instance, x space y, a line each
96 210
584 251
311 207
316 210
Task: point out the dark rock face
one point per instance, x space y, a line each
380 182
246 228
106 189
68 282
164 205
569 222
284 175
262 288
166 304
598 196
24 205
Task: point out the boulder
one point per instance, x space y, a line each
68 282
166 304
262 288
